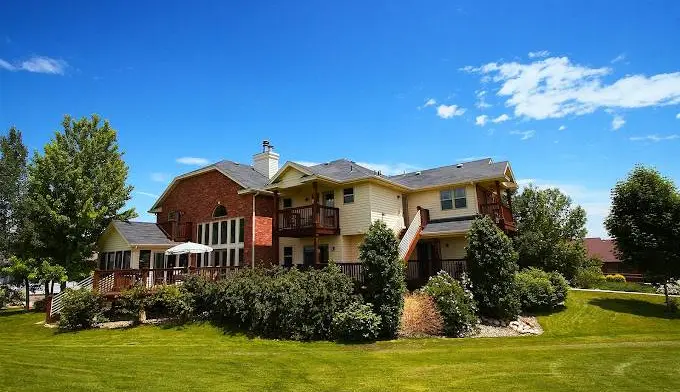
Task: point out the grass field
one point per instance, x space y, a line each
600 342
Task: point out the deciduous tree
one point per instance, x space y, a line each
77 186
13 155
20 272
645 223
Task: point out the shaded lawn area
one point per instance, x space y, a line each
601 341
625 286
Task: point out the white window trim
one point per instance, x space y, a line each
221 247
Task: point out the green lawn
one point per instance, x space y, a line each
601 342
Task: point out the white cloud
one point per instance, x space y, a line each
677 116
481 100
390 169
540 53
618 122
192 161
502 118
37 64
481 120
525 134
596 202
555 87
430 102
654 138
618 58
562 128
448 111
152 195
159 177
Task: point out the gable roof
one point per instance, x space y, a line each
342 170
452 174
244 175
604 249
142 233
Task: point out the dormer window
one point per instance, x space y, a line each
219 211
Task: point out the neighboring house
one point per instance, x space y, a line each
311 215
605 250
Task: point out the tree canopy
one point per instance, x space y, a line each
645 223
77 186
13 156
550 231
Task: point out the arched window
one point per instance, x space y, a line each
219 211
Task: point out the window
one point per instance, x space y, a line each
145 259
348 195
184 260
200 234
288 255
173 216
241 229
232 257
459 199
119 260
223 232
158 260
102 261
232 231
215 228
446 200
110 264
329 199
287 202
219 211
206 235
126 259
199 256
451 198
240 256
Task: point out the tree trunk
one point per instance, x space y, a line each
52 288
28 295
47 288
62 286
665 292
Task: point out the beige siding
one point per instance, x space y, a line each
354 217
386 205
430 200
350 252
340 248
453 247
290 177
111 241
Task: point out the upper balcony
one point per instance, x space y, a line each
501 214
308 221
177 231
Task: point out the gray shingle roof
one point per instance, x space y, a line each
447 226
468 171
341 170
245 175
145 233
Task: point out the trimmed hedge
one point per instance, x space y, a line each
356 323
540 290
283 304
615 278
455 303
81 309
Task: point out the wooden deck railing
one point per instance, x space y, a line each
419 272
117 281
177 231
300 220
500 214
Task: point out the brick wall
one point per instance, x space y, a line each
196 197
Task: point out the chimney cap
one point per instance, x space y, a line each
266 146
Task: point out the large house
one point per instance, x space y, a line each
261 214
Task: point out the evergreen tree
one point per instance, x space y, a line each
13 156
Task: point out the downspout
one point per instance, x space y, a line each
252 238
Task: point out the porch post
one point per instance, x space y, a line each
275 229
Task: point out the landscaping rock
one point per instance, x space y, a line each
523 326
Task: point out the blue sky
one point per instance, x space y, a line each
573 93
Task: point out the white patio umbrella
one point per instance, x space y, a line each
188 247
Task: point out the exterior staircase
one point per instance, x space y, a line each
56 304
412 235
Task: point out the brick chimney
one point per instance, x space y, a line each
266 162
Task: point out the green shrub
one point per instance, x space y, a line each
39 305
674 305
588 278
383 276
356 323
291 304
455 303
615 278
170 301
492 263
81 309
135 302
540 290
201 292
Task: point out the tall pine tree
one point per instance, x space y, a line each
77 186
